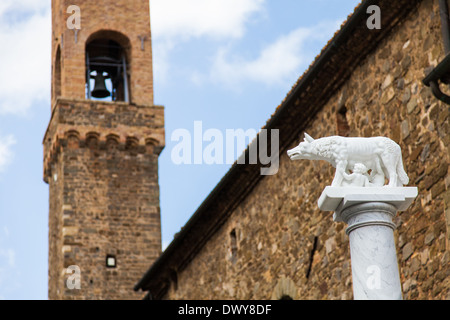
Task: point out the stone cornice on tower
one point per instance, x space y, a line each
141 127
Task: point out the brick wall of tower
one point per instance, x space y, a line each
101 158
101 163
129 18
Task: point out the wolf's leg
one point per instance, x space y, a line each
377 175
339 175
390 164
393 178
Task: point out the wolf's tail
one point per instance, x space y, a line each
402 176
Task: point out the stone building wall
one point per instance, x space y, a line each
278 244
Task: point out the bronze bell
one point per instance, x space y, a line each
100 90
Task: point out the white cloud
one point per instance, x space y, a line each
6 155
194 19
198 18
274 63
23 5
7 266
279 63
225 22
25 55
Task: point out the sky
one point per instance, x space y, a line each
225 63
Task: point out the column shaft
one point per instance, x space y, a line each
374 263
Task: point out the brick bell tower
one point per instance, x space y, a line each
101 151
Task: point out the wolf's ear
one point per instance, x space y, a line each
308 138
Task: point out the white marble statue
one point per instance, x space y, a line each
359 162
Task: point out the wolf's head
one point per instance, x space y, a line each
303 150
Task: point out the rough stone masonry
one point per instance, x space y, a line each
101 158
275 243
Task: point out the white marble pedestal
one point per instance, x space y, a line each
368 213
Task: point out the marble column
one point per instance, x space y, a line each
368 212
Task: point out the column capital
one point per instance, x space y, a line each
338 199
367 214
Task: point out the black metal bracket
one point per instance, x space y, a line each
439 74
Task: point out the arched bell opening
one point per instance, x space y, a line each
106 71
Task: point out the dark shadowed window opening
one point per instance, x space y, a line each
311 257
343 128
57 76
233 246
